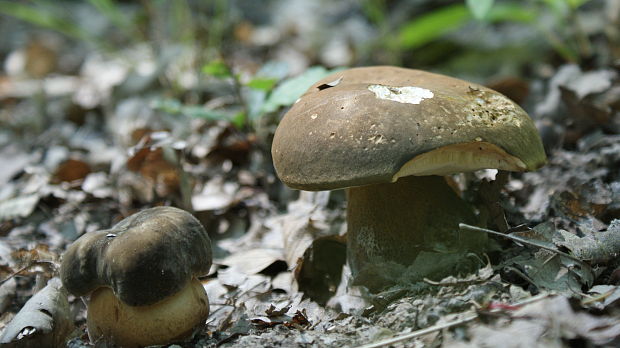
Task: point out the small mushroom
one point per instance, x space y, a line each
142 277
387 135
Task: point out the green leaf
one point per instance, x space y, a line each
511 12
291 89
217 68
43 17
575 4
429 27
262 83
239 119
479 8
438 23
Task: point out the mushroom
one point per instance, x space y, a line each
141 277
388 135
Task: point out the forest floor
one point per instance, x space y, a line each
87 142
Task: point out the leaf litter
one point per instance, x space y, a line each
279 276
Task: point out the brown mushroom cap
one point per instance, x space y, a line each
143 259
365 125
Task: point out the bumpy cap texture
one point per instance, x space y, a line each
360 126
144 258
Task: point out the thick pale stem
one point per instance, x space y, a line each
163 322
395 222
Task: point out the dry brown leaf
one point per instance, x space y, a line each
41 57
151 164
38 260
71 170
515 88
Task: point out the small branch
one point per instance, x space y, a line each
465 227
448 325
421 332
455 283
51 264
598 298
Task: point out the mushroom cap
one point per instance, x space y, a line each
362 126
144 258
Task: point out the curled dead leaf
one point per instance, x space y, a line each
44 321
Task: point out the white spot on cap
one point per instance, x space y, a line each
407 94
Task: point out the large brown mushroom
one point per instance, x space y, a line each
388 135
142 277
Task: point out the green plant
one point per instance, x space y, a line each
434 25
261 94
45 15
563 34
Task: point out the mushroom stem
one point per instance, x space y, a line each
173 318
393 223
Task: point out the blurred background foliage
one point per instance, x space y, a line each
265 53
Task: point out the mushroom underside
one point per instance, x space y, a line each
390 225
459 158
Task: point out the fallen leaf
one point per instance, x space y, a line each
252 261
232 144
150 160
595 246
548 323
591 82
602 296
318 273
514 87
44 321
217 194
550 271
98 185
547 267
14 159
304 222
41 57
279 317
21 206
71 170
7 292
582 201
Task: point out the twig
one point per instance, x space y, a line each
448 325
421 332
467 227
455 283
600 297
51 264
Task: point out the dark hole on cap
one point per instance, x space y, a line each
329 84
